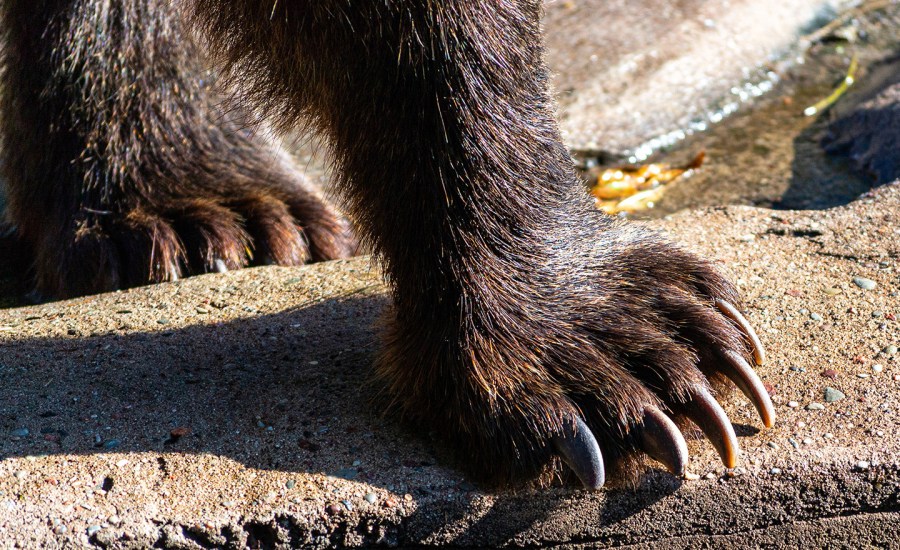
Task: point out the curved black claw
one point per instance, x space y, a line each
739 371
706 413
579 450
759 353
660 438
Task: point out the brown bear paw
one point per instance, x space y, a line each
607 349
156 239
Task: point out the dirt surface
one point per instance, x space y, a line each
231 410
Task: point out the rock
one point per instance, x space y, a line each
832 395
863 283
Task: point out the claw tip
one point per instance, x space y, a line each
580 451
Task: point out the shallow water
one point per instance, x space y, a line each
767 153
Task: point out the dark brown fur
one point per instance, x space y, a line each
123 168
517 305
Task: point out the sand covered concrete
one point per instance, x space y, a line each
231 410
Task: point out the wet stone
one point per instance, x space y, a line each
832 395
371 498
863 283
21 432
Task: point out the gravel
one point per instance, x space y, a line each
832 395
863 283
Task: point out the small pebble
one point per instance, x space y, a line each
890 350
877 367
93 530
60 530
832 395
21 432
162 321
793 443
370 498
831 291
830 373
775 471
691 476
877 314
774 445
710 475
815 316
862 465
793 404
228 503
111 444
807 441
863 283
828 436
333 509
290 484
815 407
862 375
348 505
21 474
114 520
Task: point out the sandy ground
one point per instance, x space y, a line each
231 410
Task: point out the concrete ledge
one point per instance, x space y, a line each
231 410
